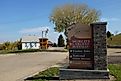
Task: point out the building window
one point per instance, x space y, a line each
35 44
26 45
31 45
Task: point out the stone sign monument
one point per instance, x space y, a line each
87 52
80 46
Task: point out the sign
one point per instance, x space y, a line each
80 64
80 54
79 31
81 58
80 43
80 46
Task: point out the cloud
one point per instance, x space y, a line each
34 30
110 19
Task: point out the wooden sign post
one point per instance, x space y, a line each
80 47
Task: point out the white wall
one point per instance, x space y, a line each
30 46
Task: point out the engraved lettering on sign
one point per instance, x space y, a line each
78 55
80 46
80 43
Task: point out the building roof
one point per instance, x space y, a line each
49 42
30 39
43 38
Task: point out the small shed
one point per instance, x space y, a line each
43 43
30 42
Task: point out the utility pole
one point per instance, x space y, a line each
44 31
42 39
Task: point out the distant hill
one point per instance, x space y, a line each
114 40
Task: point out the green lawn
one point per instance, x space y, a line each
53 71
115 70
114 40
30 50
47 74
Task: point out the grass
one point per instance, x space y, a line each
115 70
114 40
29 50
18 51
46 75
53 71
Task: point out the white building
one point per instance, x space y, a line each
30 42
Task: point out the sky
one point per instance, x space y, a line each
30 17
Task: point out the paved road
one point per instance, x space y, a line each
56 48
16 67
114 56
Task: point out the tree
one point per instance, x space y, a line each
1 46
19 44
109 34
65 15
54 45
6 46
61 41
11 45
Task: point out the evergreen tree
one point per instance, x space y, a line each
54 45
61 41
108 34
